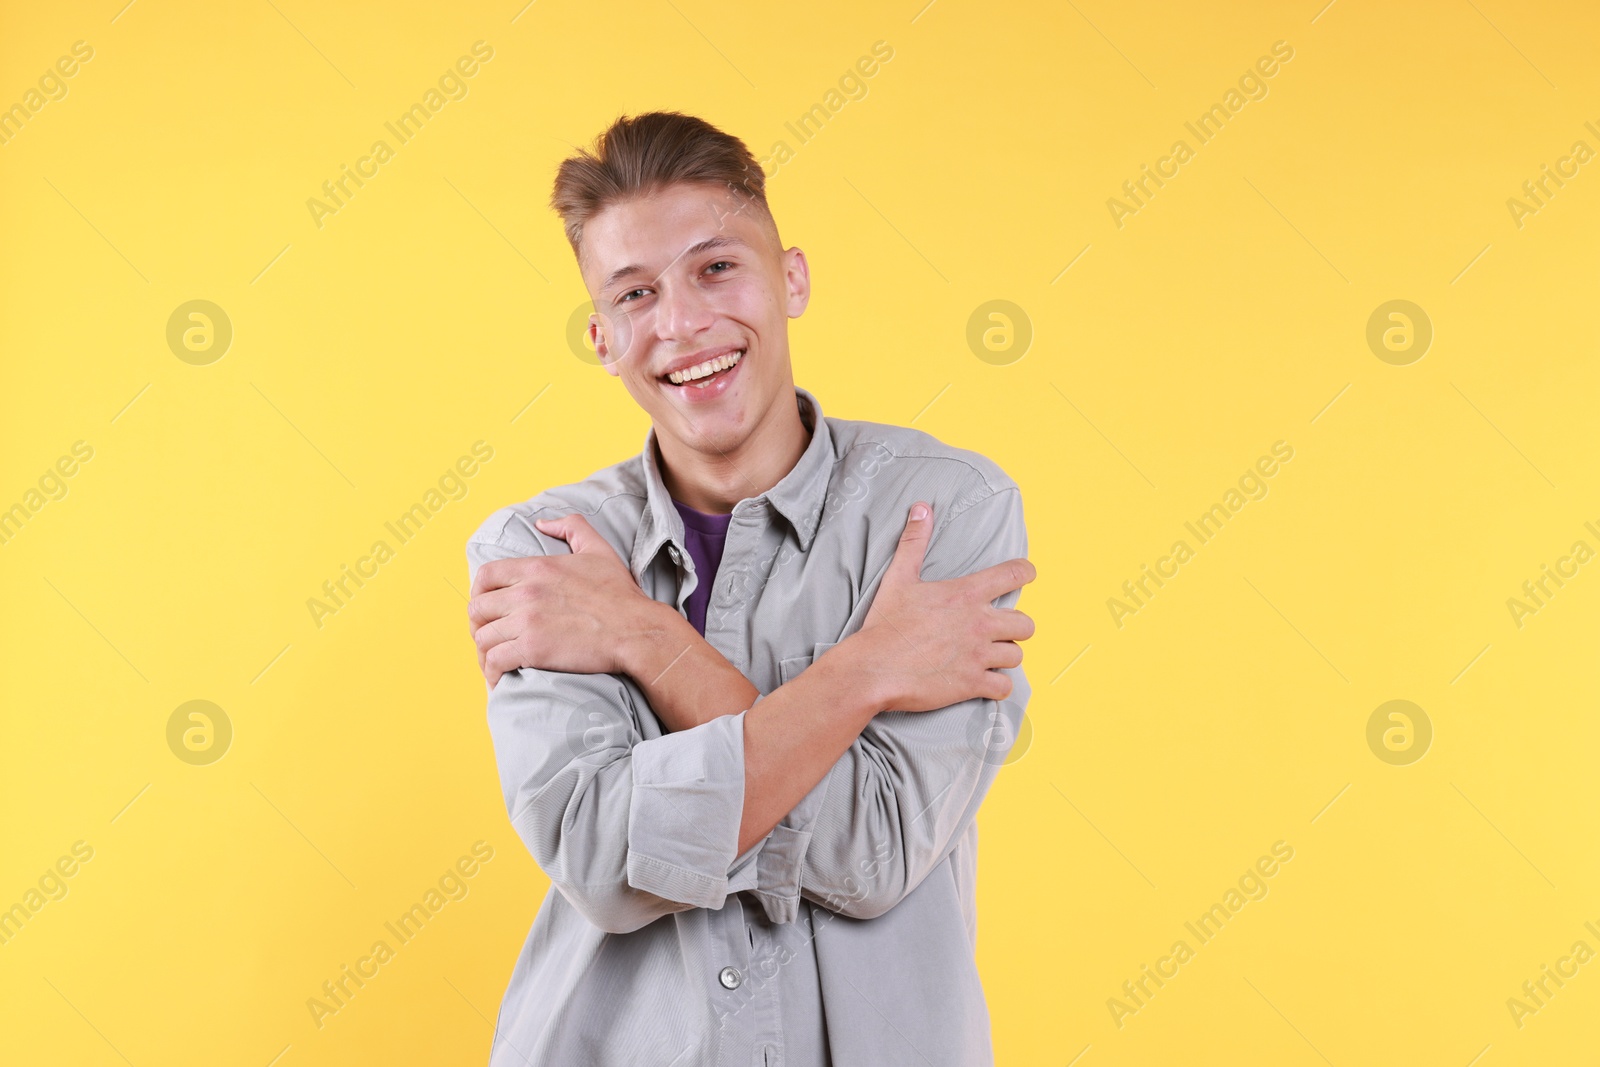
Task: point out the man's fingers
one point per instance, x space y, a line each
1012 625
906 566
499 660
495 604
490 635
1002 578
504 573
573 529
996 685
1004 654
495 574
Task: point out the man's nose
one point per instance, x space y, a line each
683 311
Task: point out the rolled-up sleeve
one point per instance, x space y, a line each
688 791
628 829
900 798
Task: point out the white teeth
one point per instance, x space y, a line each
706 369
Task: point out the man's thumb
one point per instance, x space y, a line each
908 554
575 531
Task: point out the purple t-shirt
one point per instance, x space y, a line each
703 535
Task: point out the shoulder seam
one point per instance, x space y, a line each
969 505
512 512
902 451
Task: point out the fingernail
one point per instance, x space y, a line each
919 512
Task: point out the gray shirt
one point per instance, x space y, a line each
847 935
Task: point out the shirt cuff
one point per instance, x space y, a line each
774 877
685 810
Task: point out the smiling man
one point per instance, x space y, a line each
748 688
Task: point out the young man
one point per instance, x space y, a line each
748 688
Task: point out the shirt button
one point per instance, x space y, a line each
730 978
674 554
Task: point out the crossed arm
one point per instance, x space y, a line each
813 773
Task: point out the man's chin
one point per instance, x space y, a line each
715 437
715 429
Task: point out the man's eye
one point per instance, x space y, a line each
629 295
720 263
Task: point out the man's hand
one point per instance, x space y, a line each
572 613
927 645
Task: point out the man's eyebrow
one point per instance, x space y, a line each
720 241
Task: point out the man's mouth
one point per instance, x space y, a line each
702 375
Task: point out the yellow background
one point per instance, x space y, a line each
1225 315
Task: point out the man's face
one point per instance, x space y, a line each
694 294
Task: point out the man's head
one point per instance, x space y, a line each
669 221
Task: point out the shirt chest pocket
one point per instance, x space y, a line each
789 669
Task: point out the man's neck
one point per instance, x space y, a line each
714 482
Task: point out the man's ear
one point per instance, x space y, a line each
797 282
602 348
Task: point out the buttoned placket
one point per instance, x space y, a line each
745 1011
756 1008
766 1029
766 963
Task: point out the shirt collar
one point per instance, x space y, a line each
798 496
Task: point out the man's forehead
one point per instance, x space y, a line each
648 235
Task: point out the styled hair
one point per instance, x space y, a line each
640 155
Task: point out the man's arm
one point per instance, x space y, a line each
924 645
627 829
630 829
918 650
902 790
